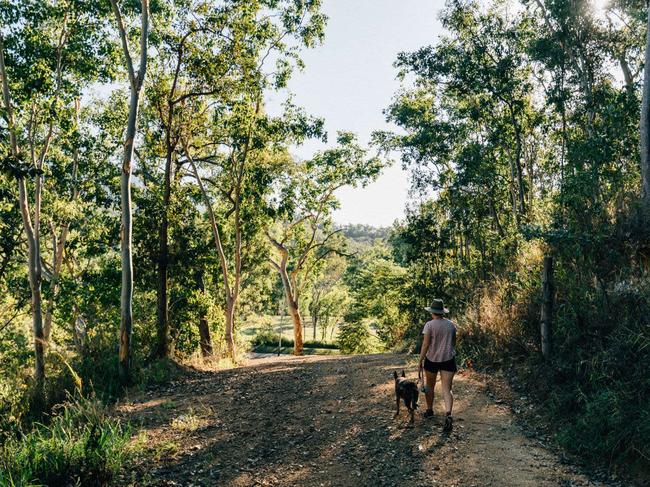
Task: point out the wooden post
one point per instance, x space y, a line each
280 338
548 293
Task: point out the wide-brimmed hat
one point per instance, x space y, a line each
437 307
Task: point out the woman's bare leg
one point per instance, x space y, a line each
446 379
431 384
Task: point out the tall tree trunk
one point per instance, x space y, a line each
513 191
126 298
495 216
162 345
35 280
136 83
230 326
32 233
530 171
78 328
332 328
314 320
297 327
520 175
627 73
294 310
59 246
645 123
230 295
205 341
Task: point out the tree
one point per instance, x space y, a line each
30 224
136 82
305 235
333 307
200 57
255 150
49 52
324 282
378 289
240 132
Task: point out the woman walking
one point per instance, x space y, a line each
438 354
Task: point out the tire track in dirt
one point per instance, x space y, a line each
327 421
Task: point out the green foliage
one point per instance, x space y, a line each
354 338
15 352
378 289
267 336
320 344
602 347
365 234
263 340
522 144
80 444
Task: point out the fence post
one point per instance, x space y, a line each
548 292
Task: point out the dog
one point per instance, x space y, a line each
408 391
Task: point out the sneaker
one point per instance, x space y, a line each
427 414
449 424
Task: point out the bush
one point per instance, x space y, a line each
267 337
15 380
354 338
594 390
602 352
80 446
320 344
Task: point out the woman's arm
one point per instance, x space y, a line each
425 348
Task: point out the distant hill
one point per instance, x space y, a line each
365 234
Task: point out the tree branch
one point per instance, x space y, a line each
125 41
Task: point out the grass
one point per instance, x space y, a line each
162 449
279 324
263 336
168 404
289 350
188 422
81 445
267 332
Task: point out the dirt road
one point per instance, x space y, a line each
328 421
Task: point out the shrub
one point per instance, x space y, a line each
594 390
80 446
267 337
354 338
320 344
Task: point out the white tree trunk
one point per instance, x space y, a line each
32 233
645 123
136 83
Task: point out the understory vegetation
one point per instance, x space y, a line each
79 445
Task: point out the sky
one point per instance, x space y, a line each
350 79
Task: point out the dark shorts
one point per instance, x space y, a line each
448 365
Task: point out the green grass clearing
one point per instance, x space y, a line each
283 325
